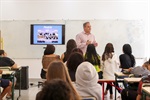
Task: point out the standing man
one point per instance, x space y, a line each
85 38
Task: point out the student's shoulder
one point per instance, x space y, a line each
123 55
5 58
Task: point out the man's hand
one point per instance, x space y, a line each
88 42
95 44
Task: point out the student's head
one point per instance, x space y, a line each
74 61
50 49
91 49
87 27
109 48
127 49
77 50
147 64
3 53
57 70
55 89
71 44
86 75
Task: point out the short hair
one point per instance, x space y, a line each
55 89
2 52
50 49
84 24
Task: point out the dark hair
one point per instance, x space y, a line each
77 50
91 55
71 44
50 49
147 63
84 24
2 52
74 61
108 50
128 50
55 89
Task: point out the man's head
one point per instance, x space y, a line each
87 27
3 53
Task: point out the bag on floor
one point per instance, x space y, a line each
127 94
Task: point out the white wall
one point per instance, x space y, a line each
74 10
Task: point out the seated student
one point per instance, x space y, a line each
57 70
6 85
55 89
93 57
86 81
47 58
140 70
71 44
127 60
132 94
73 62
6 61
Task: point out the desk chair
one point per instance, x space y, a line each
11 77
88 98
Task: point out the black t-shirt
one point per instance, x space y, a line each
125 61
5 61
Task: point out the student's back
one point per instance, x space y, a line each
127 60
6 61
86 81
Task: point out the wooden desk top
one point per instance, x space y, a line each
132 80
120 74
146 89
7 72
106 80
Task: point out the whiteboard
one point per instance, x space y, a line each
16 36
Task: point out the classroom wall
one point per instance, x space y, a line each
74 10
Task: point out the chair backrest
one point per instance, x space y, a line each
46 60
88 98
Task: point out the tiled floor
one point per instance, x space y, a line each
30 93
